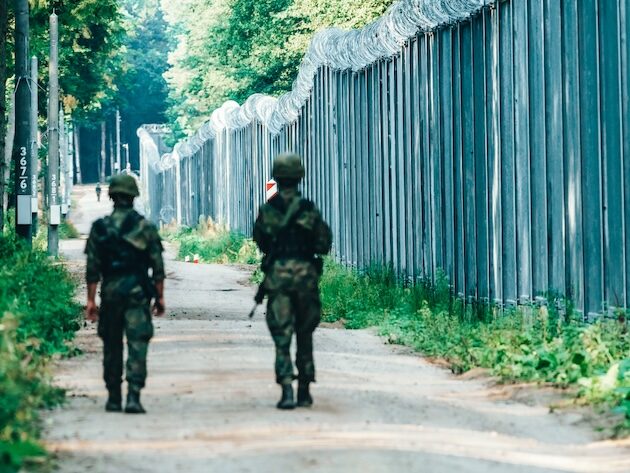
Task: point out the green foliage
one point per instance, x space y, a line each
232 49
41 293
91 34
213 244
67 230
143 92
25 386
37 318
539 344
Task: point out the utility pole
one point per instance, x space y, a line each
67 149
117 141
22 140
63 156
126 146
103 150
53 139
112 157
34 142
77 150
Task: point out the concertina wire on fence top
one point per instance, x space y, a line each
487 140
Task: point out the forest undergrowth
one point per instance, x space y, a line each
38 318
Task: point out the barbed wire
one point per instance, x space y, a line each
335 48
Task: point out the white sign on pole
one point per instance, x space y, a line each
55 215
24 213
271 189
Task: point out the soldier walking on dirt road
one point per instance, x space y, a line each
120 250
292 235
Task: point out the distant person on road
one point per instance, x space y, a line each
292 235
121 250
98 192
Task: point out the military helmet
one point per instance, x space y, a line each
123 184
288 166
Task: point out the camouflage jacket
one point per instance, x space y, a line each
143 238
305 236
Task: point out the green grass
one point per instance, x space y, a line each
38 318
538 344
213 244
67 231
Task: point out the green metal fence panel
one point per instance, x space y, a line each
485 140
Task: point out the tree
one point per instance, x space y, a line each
143 92
232 49
91 35
90 56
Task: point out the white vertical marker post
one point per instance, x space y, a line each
117 165
54 218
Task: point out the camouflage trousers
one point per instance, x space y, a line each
294 307
130 317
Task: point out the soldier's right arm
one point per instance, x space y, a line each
92 274
93 270
261 236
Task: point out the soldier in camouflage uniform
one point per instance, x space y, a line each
292 235
120 250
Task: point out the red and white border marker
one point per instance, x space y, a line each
271 189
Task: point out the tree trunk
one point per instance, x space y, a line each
4 5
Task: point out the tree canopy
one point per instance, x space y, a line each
90 59
173 61
230 49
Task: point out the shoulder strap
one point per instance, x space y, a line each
132 219
292 211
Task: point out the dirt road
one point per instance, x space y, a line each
378 408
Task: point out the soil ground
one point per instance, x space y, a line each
210 398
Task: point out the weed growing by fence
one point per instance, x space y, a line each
67 231
37 319
522 344
213 243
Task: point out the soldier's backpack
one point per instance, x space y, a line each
119 257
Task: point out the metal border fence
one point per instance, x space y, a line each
494 148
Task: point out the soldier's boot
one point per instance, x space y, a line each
133 402
304 398
114 400
286 401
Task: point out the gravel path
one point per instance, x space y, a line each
378 408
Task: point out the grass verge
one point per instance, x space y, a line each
212 243
37 319
538 344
